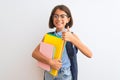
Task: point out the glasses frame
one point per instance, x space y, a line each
62 16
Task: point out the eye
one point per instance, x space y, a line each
55 16
63 16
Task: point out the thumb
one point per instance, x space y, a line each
68 29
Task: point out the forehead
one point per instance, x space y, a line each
58 11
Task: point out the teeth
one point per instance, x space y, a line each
59 23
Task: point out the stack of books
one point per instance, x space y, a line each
51 47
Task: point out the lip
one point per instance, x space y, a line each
59 23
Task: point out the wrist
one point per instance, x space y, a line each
73 39
50 62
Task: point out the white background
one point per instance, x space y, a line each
24 22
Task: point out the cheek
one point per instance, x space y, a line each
66 20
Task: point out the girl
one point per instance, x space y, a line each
61 19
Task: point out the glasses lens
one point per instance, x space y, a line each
61 16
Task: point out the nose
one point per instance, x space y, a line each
59 18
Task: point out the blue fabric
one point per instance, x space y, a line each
72 50
65 59
63 74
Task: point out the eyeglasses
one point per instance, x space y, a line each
56 16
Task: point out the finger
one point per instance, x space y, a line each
60 61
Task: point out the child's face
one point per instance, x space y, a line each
60 19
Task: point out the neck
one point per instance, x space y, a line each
58 30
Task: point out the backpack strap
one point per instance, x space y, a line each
72 51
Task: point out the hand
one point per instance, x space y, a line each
55 64
67 35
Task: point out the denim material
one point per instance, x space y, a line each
65 58
63 74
